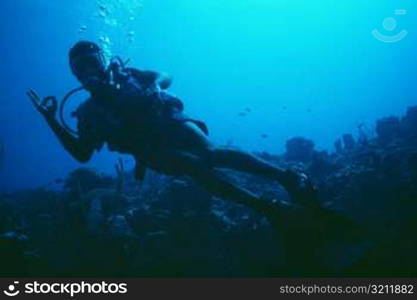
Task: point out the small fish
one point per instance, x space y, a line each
248 109
242 114
284 108
264 135
309 110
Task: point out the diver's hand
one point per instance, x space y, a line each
47 106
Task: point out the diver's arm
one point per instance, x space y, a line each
162 80
48 107
73 145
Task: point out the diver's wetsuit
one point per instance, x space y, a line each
132 122
154 129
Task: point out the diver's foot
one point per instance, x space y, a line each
301 189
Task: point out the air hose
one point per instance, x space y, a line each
115 60
62 106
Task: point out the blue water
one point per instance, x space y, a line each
309 68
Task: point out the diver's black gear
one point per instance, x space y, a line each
117 62
87 63
84 48
143 83
144 105
114 73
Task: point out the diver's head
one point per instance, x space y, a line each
87 63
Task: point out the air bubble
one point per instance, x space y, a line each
82 29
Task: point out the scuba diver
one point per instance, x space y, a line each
133 113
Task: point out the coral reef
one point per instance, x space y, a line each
113 226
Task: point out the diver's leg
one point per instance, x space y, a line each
297 184
190 139
245 162
219 186
214 182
